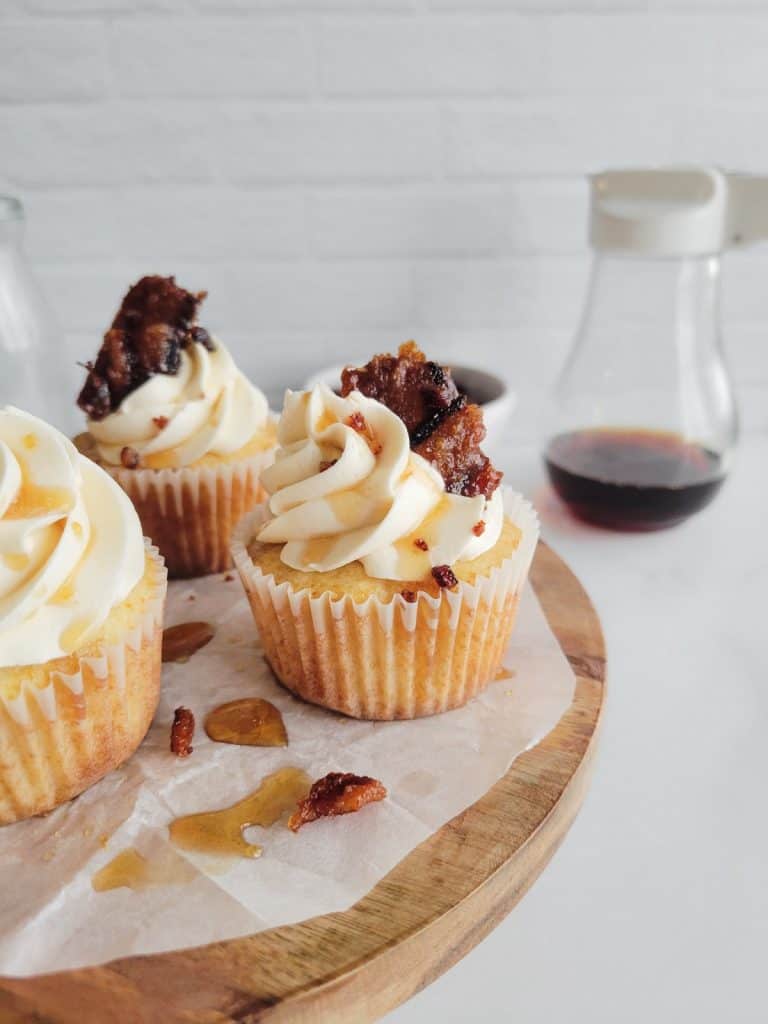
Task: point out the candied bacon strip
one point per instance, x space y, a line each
156 320
336 793
442 425
454 450
182 731
408 384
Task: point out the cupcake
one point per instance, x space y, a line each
384 573
177 425
81 603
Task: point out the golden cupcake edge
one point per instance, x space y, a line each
382 649
66 723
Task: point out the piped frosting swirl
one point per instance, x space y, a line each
206 406
71 545
346 487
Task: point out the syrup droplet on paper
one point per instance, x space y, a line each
132 870
221 832
250 722
182 641
504 673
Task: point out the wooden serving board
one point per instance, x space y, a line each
437 904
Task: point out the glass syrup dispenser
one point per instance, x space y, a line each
645 421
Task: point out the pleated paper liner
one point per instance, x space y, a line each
190 512
94 711
397 659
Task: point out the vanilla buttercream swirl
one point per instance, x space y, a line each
345 486
209 406
71 545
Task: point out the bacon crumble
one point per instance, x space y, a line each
182 731
421 544
358 422
336 793
409 595
130 458
444 428
445 577
156 320
161 422
479 528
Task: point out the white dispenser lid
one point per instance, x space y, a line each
677 211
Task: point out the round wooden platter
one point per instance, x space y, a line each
437 904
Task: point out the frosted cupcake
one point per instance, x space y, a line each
81 602
177 425
385 572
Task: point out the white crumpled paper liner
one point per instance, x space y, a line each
50 916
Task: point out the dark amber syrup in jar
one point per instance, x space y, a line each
632 479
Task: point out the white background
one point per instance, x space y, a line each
344 174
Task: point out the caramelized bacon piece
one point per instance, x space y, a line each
129 457
407 383
359 423
445 577
336 793
154 323
443 427
182 731
454 450
409 595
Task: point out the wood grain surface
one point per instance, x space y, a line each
429 911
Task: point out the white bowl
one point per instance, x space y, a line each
487 389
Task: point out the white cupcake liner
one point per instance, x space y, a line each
189 512
393 659
108 663
60 738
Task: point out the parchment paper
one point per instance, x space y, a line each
50 916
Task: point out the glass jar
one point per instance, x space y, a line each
644 422
31 359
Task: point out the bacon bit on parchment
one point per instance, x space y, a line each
336 793
444 577
409 595
130 458
479 528
161 422
421 544
182 731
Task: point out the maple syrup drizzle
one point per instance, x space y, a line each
16 562
73 635
36 500
221 832
250 722
132 870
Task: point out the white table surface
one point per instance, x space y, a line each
655 908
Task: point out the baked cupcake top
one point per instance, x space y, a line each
163 391
393 478
71 545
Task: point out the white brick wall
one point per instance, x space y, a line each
342 174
